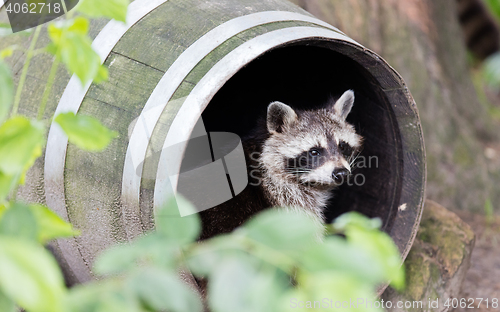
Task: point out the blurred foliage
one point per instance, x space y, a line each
274 261
494 7
478 80
115 9
488 211
6 90
21 142
491 66
72 46
29 275
491 71
85 132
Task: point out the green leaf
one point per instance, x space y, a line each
5 30
50 225
102 74
489 211
169 222
5 53
491 70
162 291
284 230
8 51
204 257
30 276
329 288
242 286
152 249
72 46
114 9
118 303
325 257
228 288
3 208
382 250
6 304
6 90
104 296
18 221
21 142
118 259
354 218
7 184
362 232
80 26
494 6
86 132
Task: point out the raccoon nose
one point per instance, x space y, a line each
339 175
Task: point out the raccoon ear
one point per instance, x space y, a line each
279 116
343 106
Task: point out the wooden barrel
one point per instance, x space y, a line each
181 62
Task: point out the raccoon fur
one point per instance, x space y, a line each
295 158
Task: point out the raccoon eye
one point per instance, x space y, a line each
314 153
345 148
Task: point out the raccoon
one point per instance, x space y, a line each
295 158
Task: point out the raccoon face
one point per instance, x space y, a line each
315 148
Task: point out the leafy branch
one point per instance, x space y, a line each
29 275
144 275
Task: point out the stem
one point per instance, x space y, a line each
64 7
48 88
20 86
69 14
39 51
13 194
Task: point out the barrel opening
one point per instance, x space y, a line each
304 75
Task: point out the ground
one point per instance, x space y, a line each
483 278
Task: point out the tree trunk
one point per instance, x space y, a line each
423 41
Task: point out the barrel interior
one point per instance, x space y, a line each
303 75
